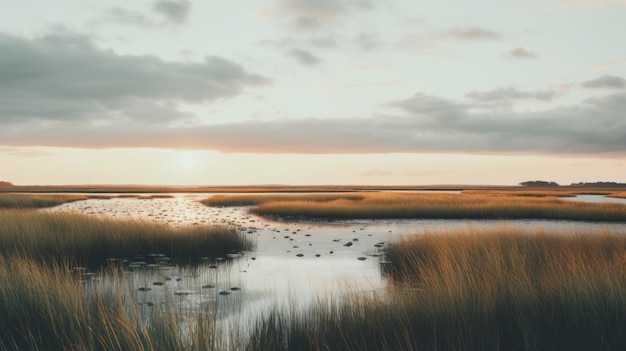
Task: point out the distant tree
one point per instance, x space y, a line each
5 184
538 183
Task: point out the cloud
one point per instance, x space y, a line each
582 4
422 123
304 57
604 65
368 41
28 152
377 173
63 77
471 34
511 93
605 81
174 11
308 15
62 90
124 16
519 53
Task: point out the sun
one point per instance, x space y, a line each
187 162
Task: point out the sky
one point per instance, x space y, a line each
312 92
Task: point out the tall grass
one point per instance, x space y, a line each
441 206
86 240
619 195
45 308
22 201
251 200
493 290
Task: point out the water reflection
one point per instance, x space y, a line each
294 263
596 199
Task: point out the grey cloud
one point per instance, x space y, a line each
605 81
368 41
63 76
511 93
430 109
127 17
313 14
304 57
174 11
419 123
324 42
519 53
425 124
472 34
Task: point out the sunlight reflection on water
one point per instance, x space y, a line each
294 263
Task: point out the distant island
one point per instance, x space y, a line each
6 184
538 183
546 184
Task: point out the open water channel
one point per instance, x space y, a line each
294 263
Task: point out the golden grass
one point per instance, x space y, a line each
36 201
523 192
619 195
251 200
46 308
375 205
86 240
477 290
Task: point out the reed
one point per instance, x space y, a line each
86 240
46 308
253 200
439 206
476 290
619 195
17 201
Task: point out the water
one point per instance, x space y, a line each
294 263
595 199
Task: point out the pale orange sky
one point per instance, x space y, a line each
179 167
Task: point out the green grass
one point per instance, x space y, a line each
382 205
89 241
476 290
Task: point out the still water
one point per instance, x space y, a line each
294 263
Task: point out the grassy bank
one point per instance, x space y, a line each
45 308
421 205
85 240
23 201
494 290
45 305
253 200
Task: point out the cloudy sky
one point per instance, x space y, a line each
312 91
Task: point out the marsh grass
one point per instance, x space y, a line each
46 308
46 304
23 201
619 195
410 205
89 241
476 290
252 200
